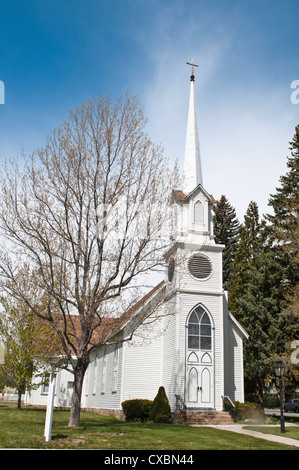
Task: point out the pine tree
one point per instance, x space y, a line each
256 300
285 221
226 227
285 202
284 225
248 235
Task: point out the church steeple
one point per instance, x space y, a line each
192 162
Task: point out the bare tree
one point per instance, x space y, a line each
88 213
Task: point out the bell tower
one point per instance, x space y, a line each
194 282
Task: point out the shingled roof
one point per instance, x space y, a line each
109 326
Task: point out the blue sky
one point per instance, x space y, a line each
56 54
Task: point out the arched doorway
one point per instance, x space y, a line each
199 359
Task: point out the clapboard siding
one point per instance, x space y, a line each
212 284
143 362
169 380
63 390
95 395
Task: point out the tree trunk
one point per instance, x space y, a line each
79 372
19 398
259 393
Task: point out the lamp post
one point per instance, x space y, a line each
279 371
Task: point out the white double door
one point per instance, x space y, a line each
199 380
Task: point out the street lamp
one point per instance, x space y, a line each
279 371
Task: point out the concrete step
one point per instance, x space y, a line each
208 417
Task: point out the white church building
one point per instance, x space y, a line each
195 346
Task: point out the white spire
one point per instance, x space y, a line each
192 162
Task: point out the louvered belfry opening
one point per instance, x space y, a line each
200 266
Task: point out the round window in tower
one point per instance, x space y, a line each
200 266
171 266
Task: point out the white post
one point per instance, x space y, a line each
49 414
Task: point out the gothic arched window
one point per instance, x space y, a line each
198 213
199 330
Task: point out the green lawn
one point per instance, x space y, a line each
290 431
25 428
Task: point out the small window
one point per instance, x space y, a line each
115 369
171 268
45 385
104 372
95 376
198 213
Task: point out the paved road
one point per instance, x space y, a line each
276 412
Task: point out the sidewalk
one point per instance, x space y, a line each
239 428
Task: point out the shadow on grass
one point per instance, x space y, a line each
58 436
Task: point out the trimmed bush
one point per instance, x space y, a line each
160 411
247 410
137 410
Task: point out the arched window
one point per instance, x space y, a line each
198 213
199 330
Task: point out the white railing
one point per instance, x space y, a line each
226 397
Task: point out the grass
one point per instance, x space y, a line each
290 431
25 428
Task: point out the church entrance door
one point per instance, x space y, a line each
199 367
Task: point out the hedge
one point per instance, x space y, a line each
137 409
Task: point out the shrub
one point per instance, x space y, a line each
247 410
160 411
137 409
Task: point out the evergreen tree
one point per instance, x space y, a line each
256 300
160 411
285 221
284 225
226 227
285 202
248 238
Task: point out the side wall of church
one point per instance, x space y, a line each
142 368
102 381
234 366
170 351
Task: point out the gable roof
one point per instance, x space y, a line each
180 195
149 300
110 326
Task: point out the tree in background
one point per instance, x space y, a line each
256 299
284 224
285 221
89 213
28 344
226 227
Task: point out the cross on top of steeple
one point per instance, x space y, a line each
192 78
